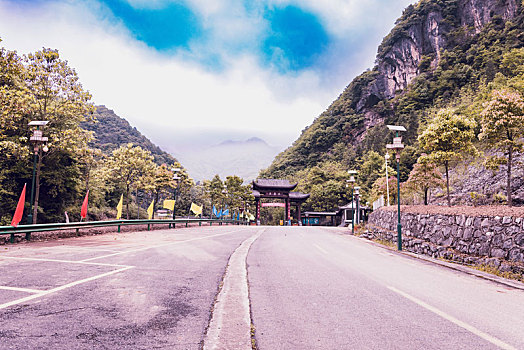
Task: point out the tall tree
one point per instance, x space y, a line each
56 95
448 137
502 122
127 165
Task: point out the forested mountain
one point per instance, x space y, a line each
440 54
112 131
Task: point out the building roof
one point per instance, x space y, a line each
276 184
298 196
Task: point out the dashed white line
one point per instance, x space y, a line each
321 249
477 332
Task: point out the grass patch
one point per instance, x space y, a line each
495 271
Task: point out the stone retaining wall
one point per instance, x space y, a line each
495 241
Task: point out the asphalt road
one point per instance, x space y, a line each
307 288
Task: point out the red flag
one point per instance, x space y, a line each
83 212
19 209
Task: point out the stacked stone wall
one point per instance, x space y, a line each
491 240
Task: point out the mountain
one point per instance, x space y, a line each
112 131
230 157
439 53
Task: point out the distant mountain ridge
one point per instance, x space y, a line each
112 131
243 158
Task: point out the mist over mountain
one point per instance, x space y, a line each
243 158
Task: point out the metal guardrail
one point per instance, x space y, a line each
28 229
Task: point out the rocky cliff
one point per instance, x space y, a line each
422 33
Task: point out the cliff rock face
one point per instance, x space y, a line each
477 13
400 65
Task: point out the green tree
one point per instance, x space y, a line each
214 190
502 125
448 137
127 165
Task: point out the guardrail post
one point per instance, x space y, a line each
77 231
186 223
12 239
200 223
148 228
28 236
118 228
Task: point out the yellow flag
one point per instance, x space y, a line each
196 209
150 210
169 204
119 207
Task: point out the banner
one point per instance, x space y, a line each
215 212
19 209
169 204
151 210
196 209
83 211
119 207
225 212
283 205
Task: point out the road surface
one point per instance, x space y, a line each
227 287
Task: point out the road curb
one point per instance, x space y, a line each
449 265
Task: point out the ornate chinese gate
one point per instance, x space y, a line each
278 189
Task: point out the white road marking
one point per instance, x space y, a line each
160 245
26 290
57 289
477 332
61 261
321 249
230 325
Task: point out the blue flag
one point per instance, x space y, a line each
215 212
220 214
226 212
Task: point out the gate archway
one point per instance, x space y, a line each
278 189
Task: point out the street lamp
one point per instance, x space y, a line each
397 147
224 193
38 139
387 177
175 178
351 181
357 211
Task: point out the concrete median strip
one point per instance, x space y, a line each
230 325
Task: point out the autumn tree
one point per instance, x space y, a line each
448 137
424 177
502 122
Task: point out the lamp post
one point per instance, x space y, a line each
351 181
175 178
224 193
357 211
38 139
397 147
387 177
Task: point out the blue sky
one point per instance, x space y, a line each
189 73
